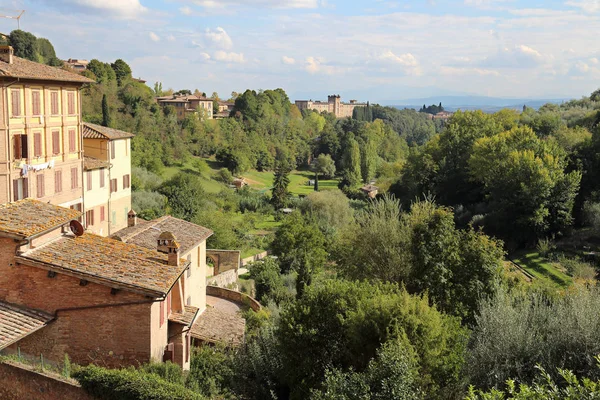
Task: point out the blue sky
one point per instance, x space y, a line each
375 50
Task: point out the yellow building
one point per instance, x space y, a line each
188 104
333 105
40 132
107 178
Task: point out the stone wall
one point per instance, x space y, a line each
255 257
20 382
234 296
223 280
224 260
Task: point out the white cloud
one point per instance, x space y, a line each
219 38
185 10
117 8
590 6
221 4
288 60
171 38
316 65
407 59
154 37
466 71
205 56
231 57
519 56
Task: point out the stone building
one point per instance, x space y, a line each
40 132
188 104
94 298
333 105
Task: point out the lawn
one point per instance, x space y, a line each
541 268
209 185
298 181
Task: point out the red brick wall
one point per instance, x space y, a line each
112 336
20 383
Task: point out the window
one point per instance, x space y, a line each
20 146
72 143
113 185
20 189
112 150
162 313
102 214
40 185
57 181
189 301
88 175
101 171
35 102
54 103
126 181
89 218
55 142
71 103
37 144
74 178
76 207
15 96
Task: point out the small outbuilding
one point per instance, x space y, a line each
370 190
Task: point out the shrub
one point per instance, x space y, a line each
210 370
268 281
224 175
130 384
591 214
168 371
577 268
545 247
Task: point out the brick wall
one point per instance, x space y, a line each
224 260
19 382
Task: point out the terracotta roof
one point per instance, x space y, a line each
108 262
17 322
28 217
369 188
25 69
146 233
187 317
93 131
90 163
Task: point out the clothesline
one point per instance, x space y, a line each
38 167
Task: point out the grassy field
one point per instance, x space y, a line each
210 185
298 181
541 268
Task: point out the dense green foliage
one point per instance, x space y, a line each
27 46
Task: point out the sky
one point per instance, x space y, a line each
376 50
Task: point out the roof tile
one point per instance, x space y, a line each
17 322
25 69
93 131
28 217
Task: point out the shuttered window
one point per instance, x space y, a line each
55 142
162 313
74 178
88 175
20 146
57 181
54 103
72 143
35 102
89 217
113 185
101 171
15 96
71 103
102 214
37 144
40 185
112 150
20 189
126 181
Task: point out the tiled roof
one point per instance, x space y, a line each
90 163
109 262
25 69
28 217
93 131
146 233
17 322
369 188
186 317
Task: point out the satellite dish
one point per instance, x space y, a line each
76 227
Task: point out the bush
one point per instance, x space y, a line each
268 281
168 371
545 247
224 175
577 268
130 384
210 370
591 214
148 205
142 179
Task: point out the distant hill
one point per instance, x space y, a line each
487 104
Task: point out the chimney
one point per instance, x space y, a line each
131 218
6 54
167 243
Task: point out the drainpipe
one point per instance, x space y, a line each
109 186
81 155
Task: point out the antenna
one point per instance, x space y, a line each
12 14
76 227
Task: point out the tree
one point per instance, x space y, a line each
185 194
24 44
268 281
330 209
122 70
158 90
351 172
105 112
281 181
324 165
46 53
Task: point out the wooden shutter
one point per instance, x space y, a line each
37 144
71 103
24 148
57 181
162 313
16 190
25 188
55 142
71 140
40 185
54 103
35 102
112 150
125 181
16 103
101 170
89 217
89 180
102 215
74 179
17 147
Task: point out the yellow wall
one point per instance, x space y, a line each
195 284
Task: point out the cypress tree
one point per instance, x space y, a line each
105 112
